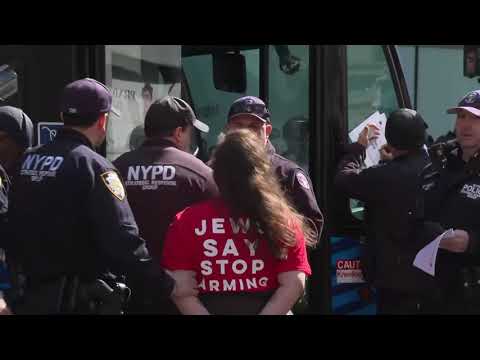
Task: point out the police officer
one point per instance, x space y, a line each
162 177
452 198
16 134
390 191
71 218
251 112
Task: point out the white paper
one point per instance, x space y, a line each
373 149
426 258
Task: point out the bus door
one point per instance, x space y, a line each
368 79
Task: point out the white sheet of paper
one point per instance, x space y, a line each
373 148
355 133
426 258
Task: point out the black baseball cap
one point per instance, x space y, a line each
86 97
405 129
17 125
470 103
169 113
249 105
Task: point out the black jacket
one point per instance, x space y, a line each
452 198
4 190
390 192
69 215
162 180
298 187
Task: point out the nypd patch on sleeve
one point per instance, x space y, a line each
114 184
302 180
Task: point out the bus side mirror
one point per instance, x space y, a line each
229 72
8 82
471 61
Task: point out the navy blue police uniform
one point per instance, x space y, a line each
294 180
4 189
18 128
161 180
297 186
71 214
452 199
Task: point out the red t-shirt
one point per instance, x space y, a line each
228 254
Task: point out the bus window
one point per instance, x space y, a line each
370 89
212 105
289 101
137 76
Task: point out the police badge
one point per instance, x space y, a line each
114 184
471 97
302 180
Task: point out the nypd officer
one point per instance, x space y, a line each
452 198
16 135
162 177
393 217
251 112
72 220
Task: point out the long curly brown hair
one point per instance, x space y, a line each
242 171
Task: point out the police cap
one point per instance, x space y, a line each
17 125
86 97
169 113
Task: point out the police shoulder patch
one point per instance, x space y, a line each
302 180
114 184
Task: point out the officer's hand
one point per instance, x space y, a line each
386 153
456 242
369 133
185 283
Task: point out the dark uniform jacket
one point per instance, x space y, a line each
452 198
162 180
4 189
69 215
298 187
390 192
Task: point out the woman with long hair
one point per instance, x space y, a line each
248 247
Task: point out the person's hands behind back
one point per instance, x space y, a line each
185 283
